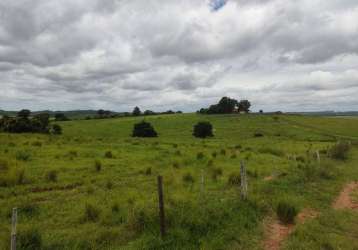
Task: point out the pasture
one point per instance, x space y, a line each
95 187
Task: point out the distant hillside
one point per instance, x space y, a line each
327 113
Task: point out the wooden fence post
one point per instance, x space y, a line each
243 181
161 206
13 228
318 157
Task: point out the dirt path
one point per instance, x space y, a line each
276 232
344 200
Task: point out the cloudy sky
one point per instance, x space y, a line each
178 54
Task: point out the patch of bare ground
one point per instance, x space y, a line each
276 232
269 178
344 200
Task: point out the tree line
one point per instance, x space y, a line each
227 105
23 122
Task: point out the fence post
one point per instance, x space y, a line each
13 228
318 157
161 206
243 181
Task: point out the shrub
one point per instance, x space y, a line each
340 150
223 152
214 154
56 129
144 129
300 158
203 130
36 144
51 176
29 239
109 184
148 171
200 155
234 179
286 212
176 164
98 165
233 156
108 155
258 134
91 213
23 156
188 178
215 173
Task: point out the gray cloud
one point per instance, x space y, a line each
116 54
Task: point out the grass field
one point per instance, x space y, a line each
94 187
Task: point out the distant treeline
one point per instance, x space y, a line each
227 105
24 122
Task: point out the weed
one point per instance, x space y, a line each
188 178
98 165
91 213
108 155
234 179
286 212
51 176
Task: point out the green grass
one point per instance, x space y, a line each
114 206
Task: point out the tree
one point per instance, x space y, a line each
244 106
227 105
61 117
149 112
41 121
24 114
136 112
144 129
100 113
203 130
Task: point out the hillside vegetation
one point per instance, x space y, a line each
94 186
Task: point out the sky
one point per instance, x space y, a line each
182 55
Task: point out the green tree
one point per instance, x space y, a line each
136 112
244 106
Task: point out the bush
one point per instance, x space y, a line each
30 239
108 155
214 154
56 129
258 134
234 179
286 212
143 129
203 130
36 144
91 213
223 152
23 156
51 176
176 164
215 173
98 165
188 178
200 155
340 150
148 171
